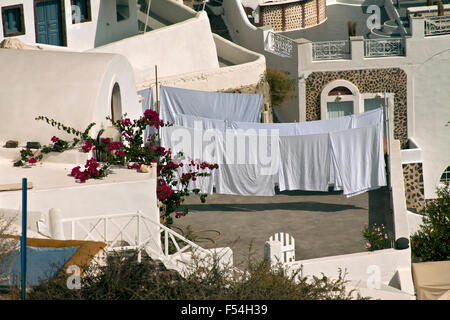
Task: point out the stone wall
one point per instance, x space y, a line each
391 80
414 188
292 15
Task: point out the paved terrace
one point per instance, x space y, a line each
322 224
335 27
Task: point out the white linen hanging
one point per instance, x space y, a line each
224 106
358 159
305 162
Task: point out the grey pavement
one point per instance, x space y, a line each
322 224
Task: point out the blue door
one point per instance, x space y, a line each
48 22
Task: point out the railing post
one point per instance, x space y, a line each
357 48
417 27
166 242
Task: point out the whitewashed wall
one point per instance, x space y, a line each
181 48
102 29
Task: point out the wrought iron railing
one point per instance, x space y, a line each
384 47
435 26
279 45
331 50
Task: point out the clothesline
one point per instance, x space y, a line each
345 152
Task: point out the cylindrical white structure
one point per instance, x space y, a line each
56 225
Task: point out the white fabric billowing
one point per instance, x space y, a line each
359 160
325 126
305 162
196 145
224 106
248 164
202 123
367 119
283 129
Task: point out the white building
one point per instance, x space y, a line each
76 24
398 53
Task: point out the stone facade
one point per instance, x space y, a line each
414 188
292 15
391 80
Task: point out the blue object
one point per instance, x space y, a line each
42 263
23 240
48 22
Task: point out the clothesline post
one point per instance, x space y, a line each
157 97
23 240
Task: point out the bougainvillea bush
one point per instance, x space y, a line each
132 152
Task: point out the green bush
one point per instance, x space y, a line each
124 278
282 88
432 241
376 237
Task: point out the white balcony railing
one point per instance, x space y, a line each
384 47
331 50
435 26
279 45
134 231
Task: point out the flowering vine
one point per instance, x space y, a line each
173 184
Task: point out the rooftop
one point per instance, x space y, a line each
335 27
322 223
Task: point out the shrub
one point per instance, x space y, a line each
282 88
432 241
124 278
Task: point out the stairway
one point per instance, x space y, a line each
390 29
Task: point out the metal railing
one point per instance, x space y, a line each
435 26
384 47
279 45
331 50
134 231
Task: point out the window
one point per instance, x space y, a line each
81 11
446 175
372 104
13 23
123 10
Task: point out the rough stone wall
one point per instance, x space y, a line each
322 11
272 16
310 13
293 14
391 80
414 188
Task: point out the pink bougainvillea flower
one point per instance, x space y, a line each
178 215
32 160
87 146
54 139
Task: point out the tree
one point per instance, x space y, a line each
432 241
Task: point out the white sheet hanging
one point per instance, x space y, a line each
305 162
359 160
224 106
248 164
147 103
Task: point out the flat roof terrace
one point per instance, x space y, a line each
322 223
335 27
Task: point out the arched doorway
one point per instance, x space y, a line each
116 103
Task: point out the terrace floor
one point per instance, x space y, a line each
322 224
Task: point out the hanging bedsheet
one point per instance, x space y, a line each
358 159
147 103
284 129
224 106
